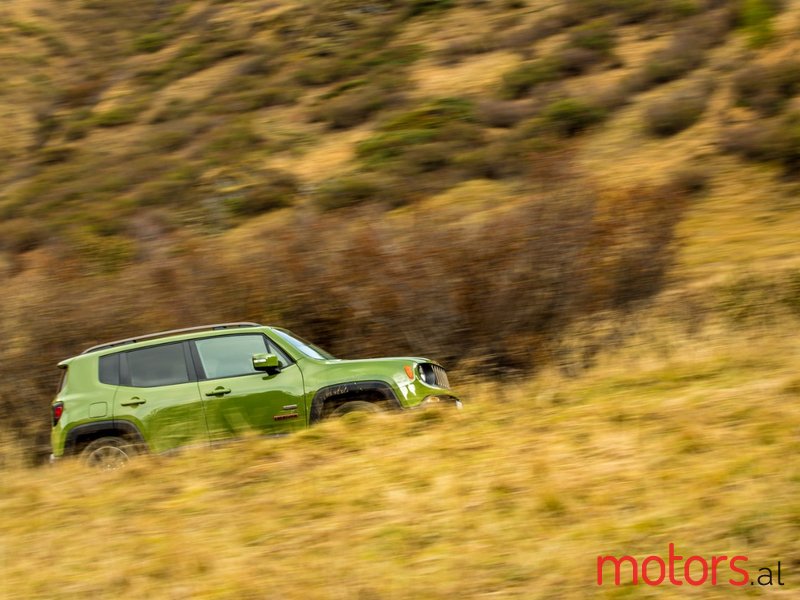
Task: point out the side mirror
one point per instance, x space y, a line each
266 362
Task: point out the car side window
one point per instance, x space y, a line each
157 365
109 369
232 355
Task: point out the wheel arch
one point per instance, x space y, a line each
351 390
79 436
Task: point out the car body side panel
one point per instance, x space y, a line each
171 416
265 403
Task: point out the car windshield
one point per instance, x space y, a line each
305 347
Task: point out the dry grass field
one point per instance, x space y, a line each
669 439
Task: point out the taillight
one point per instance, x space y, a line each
58 410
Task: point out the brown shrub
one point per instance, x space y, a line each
353 107
462 47
500 113
753 141
766 87
677 111
523 37
685 52
775 140
689 179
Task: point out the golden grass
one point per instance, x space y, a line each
317 157
514 497
480 74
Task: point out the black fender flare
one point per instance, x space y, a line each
111 426
381 387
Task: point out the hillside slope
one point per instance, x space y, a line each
218 112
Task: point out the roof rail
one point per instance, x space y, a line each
151 336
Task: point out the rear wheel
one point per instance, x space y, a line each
108 453
355 406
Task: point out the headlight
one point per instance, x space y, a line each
425 374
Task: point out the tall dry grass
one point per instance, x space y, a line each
672 438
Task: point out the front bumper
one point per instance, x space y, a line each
436 400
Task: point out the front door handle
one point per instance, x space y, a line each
135 401
219 391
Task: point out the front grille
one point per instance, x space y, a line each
441 377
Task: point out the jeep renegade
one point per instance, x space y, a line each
206 384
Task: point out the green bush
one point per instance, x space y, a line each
522 79
570 116
449 120
597 35
755 17
191 58
349 190
418 7
384 146
273 189
246 94
433 116
346 61
150 42
117 116
173 136
233 139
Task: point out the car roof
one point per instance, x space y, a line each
170 333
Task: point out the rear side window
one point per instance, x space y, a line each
109 369
232 355
62 382
157 365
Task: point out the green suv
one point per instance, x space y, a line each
206 384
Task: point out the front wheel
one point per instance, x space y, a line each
108 453
361 406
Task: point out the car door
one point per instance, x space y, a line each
239 399
158 393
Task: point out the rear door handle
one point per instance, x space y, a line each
135 401
219 391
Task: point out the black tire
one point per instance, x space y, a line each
355 406
108 453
